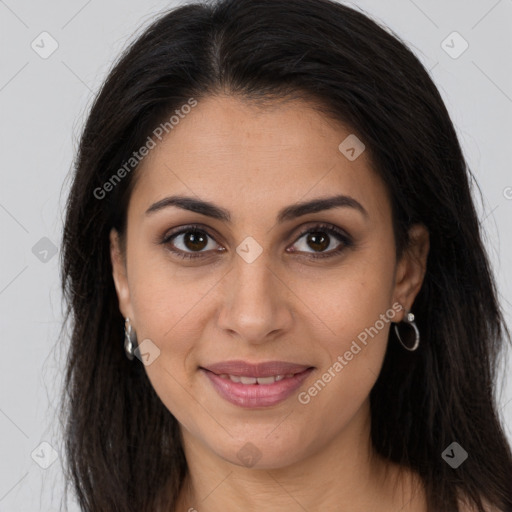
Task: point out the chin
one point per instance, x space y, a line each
261 450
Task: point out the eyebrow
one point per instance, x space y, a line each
288 213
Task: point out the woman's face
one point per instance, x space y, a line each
253 290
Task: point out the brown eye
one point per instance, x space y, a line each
188 241
191 242
319 238
195 240
318 241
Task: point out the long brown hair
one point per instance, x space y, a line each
123 446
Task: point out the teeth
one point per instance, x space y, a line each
248 380
254 380
266 380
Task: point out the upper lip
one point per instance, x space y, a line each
245 369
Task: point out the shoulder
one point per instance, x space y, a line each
464 506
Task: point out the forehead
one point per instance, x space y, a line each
243 157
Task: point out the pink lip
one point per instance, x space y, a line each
256 395
267 369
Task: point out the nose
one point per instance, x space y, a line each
256 305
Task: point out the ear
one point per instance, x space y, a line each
120 275
412 266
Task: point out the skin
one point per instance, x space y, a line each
282 306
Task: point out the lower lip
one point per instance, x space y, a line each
256 395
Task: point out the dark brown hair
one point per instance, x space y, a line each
123 446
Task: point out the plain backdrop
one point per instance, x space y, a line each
44 102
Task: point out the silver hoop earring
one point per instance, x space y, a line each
409 319
130 339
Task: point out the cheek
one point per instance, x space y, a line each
356 305
171 314
353 358
167 298
354 297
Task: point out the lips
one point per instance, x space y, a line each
256 385
238 368
262 381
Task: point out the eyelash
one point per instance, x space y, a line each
331 230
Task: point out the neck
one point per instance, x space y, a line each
344 475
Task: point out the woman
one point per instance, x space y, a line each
273 264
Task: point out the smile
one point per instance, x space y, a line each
256 380
256 392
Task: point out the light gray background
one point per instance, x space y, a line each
44 103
